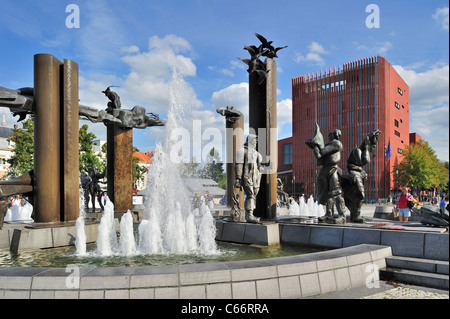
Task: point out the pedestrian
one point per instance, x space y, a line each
443 204
402 205
434 200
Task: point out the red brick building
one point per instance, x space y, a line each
363 96
284 169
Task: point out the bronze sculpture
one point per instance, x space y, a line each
255 64
352 179
247 177
327 190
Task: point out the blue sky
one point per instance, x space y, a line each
135 44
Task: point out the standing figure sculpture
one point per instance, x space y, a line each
247 178
352 180
327 190
94 187
113 98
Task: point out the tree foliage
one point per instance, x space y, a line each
87 156
22 159
421 169
212 169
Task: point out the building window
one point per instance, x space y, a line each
397 133
400 91
396 123
287 154
397 105
399 151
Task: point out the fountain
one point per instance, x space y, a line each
169 225
307 212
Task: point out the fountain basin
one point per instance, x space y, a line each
284 277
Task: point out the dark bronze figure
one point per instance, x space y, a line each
352 180
327 190
19 101
94 187
254 63
114 99
271 51
247 178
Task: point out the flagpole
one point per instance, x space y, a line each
384 179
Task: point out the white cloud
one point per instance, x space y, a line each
429 105
441 16
148 80
234 95
229 71
130 49
314 55
381 48
284 113
428 88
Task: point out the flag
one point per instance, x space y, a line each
387 151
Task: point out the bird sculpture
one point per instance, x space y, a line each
271 51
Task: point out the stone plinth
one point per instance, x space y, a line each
266 234
384 212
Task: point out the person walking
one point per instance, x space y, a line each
402 205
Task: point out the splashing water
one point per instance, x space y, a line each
107 238
80 242
309 209
167 202
169 225
127 241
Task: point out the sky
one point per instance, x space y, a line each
138 46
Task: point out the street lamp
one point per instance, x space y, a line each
293 180
396 183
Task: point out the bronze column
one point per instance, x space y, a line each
47 138
234 141
272 137
120 167
70 159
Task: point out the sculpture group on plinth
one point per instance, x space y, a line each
263 121
331 178
120 124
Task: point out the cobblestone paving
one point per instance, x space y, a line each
407 293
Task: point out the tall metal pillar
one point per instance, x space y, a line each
120 167
70 146
47 138
56 147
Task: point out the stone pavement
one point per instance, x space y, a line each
387 291
407 293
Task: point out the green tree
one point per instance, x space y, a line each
87 156
22 160
191 169
213 168
420 168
